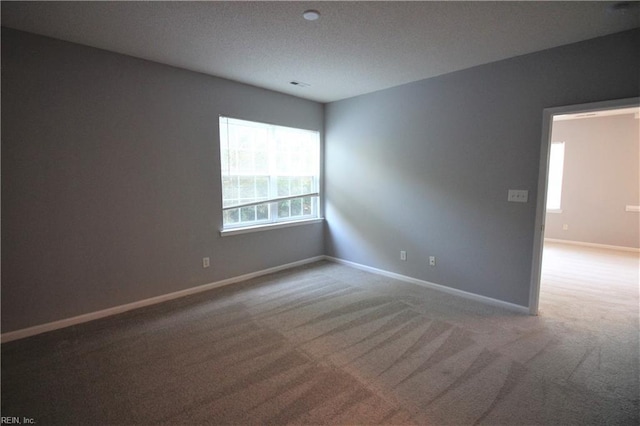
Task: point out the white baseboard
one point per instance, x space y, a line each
67 322
593 245
433 286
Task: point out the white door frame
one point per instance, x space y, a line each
538 240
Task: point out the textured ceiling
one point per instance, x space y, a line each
354 48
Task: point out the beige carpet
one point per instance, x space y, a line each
327 344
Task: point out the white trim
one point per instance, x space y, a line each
545 141
434 286
67 322
268 227
554 211
632 209
272 200
594 245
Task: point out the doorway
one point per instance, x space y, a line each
546 189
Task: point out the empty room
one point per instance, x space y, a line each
319 213
592 233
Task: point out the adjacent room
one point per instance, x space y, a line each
592 226
320 213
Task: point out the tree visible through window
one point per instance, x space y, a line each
269 173
554 183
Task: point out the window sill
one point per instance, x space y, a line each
268 227
554 210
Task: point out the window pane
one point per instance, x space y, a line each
307 208
296 207
248 214
283 187
231 216
307 184
262 187
296 186
283 209
262 212
556 167
229 191
247 189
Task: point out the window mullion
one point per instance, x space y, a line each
273 180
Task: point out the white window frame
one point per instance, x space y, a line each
273 201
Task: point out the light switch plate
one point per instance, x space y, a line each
518 196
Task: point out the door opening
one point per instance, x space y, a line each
548 191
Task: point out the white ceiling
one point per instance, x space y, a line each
354 48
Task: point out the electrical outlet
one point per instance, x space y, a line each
565 227
205 262
432 261
403 255
518 196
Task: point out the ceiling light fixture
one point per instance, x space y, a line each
299 83
311 15
622 7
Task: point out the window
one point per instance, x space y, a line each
554 183
270 174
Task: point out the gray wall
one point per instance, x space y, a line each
425 167
110 176
601 176
111 180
